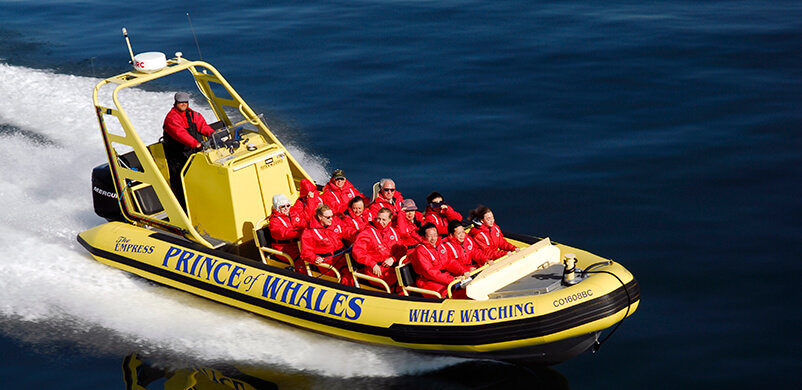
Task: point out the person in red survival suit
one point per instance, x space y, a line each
284 232
408 224
439 213
388 197
354 220
303 211
487 234
184 129
321 241
378 247
435 270
338 192
463 249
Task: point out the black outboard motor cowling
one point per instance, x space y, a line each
104 195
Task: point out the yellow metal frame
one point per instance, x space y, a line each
178 220
324 266
458 280
359 275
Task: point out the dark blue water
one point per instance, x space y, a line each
664 135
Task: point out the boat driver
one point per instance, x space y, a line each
183 130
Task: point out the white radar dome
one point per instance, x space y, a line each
150 62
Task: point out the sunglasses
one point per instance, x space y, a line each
284 206
339 179
388 189
327 216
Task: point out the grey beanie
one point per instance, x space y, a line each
181 97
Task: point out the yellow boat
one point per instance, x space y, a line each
527 306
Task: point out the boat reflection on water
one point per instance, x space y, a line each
140 373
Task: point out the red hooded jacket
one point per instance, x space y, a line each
317 240
466 253
432 266
491 241
409 230
285 234
176 124
441 218
353 225
374 245
338 197
303 211
380 202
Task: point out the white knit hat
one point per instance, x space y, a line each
279 200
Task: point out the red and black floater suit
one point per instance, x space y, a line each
352 225
491 241
434 268
338 197
374 245
466 253
182 131
409 230
286 234
326 242
394 205
305 207
440 219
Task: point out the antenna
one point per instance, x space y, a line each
131 52
200 56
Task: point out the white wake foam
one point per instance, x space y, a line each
50 283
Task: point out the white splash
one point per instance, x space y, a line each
49 282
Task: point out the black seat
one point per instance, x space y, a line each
406 279
217 125
146 199
264 242
264 236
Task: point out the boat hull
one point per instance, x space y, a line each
546 328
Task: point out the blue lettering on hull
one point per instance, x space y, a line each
274 288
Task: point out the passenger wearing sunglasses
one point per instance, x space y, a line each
338 192
439 213
283 230
321 241
388 197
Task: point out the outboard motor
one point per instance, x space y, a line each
104 195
